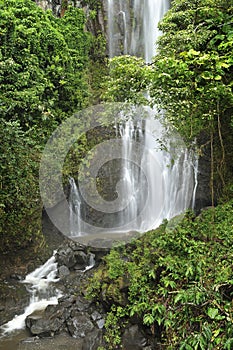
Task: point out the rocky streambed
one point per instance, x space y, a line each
75 322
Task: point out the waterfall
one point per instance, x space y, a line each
119 31
91 262
132 27
154 11
179 172
75 209
164 184
159 179
131 178
42 294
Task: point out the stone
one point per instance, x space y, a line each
66 256
80 325
66 301
93 341
100 323
43 327
82 304
81 260
16 277
76 246
203 192
63 271
30 340
51 321
96 316
133 339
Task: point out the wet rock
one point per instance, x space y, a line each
16 277
43 327
66 301
82 304
30 340
73 255
133 339
203 192
96 315
76 246
93 341
100 323
66 256
100 248
80 325
81 260
63 271
52 321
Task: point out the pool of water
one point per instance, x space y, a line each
12 341
62 341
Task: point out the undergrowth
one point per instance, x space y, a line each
176 280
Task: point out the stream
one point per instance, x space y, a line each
40 285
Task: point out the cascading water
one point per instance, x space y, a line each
131 177
75 209
39 286
153 12
162 184
118 19
133 26
163 181
179 172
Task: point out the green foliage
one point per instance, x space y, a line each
177 280
92 4
43 62
98 70
20 207
128 80
192 75
113 325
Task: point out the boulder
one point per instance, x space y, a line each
133 339
63 271
66 256
93 341
51 321
43 327
79 325
81 260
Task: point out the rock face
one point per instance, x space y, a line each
95 24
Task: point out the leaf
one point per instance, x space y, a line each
193 52
148 319
224 65
229 344
212 313
152 274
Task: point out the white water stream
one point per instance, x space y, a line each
41 286
41 294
